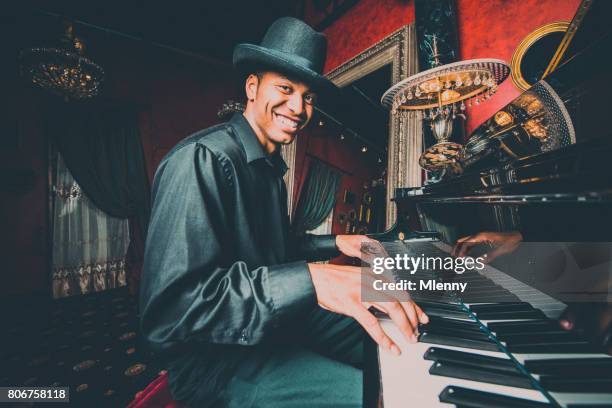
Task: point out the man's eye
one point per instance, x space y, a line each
310 99
285 88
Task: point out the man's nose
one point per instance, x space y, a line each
296 103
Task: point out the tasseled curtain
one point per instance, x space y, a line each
89 247
101 148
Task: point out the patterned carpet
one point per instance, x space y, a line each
90 343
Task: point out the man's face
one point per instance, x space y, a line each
281 106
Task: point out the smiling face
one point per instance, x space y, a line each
277 107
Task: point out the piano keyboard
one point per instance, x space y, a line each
497 344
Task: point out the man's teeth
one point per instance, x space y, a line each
286 121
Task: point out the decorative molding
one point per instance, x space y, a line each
405 134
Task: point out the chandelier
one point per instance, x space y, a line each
442 94
64 71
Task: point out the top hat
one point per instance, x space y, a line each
289 46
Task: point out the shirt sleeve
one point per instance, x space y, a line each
191 289
316 247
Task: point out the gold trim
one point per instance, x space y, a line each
528 41
569 35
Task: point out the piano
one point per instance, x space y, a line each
499 343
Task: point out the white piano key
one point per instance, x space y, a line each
564 399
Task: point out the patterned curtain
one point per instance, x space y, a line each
89 246
318 198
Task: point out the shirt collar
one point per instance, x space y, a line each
253 149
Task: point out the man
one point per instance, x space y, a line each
226 298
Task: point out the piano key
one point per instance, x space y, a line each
577 385
454 370
406 380
536 325
454 332
453 323
566 399
571 366
473 359
569 346
433 338
440 305
501 306
519 314
434 311
535 331
478 399
529 338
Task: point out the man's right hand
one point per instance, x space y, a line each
339 289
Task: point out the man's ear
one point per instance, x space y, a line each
252 82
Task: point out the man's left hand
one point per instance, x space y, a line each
351 245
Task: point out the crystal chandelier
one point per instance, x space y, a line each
64 70
442 94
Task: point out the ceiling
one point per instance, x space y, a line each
206 29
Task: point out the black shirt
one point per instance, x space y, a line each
221 267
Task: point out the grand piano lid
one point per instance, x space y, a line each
536 121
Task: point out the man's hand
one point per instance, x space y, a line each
339 289
594 318
350 245
501 243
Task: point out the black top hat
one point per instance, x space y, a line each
289 46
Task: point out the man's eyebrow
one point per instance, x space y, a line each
283 77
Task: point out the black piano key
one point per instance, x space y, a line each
440 305
534 331
477 360
431 338
460 333
498 297
472 373
566 347
509 306
571 367
578 385
435 321
530 338
434 311
529 326
480 399
519 314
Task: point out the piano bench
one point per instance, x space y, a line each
156 395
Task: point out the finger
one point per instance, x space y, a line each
423 318
405 322
413 316
465 246
374 330
567 320
459 244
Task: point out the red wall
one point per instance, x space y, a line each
366 23
494 28
175 95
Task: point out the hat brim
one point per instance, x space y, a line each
249 58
